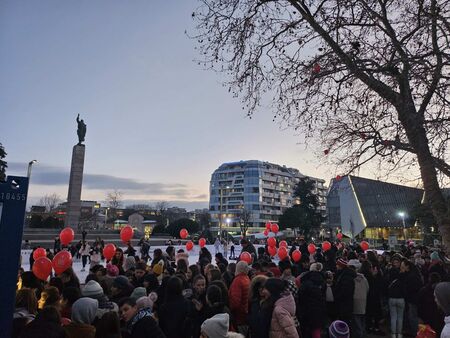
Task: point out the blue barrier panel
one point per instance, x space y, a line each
13 199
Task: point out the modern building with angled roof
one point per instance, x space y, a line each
372 209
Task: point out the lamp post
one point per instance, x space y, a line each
106 217
221 211
402 215
30 164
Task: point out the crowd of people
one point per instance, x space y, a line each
343 292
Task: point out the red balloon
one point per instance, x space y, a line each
311 248
202 242
184 233
66 235
246 257
42 268
62 261
109 251
283 243
339 236
189 245
272 250
296 255
364 245
274 228
126 234
271 242
39 252
326 246
338 178
268 226
282 253
266 232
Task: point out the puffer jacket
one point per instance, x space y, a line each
282 324
360 294
238 298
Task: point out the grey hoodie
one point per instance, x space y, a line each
84 310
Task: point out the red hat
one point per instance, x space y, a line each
342 262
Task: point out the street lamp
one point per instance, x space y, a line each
30 164
29 169
221 211
106 217
402 215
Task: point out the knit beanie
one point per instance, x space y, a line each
355 263
112 270
138 293
216 326
92 289
241 267
342 263
442 294
147 302
435 256
339 329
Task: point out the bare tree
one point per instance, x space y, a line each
161 210
50 202
114 201
368 79
244 221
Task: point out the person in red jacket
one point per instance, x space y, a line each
238 298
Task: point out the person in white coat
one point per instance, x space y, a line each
442 297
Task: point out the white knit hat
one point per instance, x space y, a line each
216 326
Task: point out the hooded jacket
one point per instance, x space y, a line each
360 294
282 324
142 325
84 311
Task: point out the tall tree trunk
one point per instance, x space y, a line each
418 139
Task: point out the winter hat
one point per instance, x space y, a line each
342 262
216 326
435 256
339 329
316 267
355 263
442 294
147 301
121 282
84 310
275 286
158 268
138 293
92 289
241 267
112 270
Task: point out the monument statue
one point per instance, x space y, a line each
81 131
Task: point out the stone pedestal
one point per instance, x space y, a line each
75 183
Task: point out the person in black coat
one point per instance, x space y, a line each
139 323
412 283
311 309
374 311
344 287
428 310
260 312
175 313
